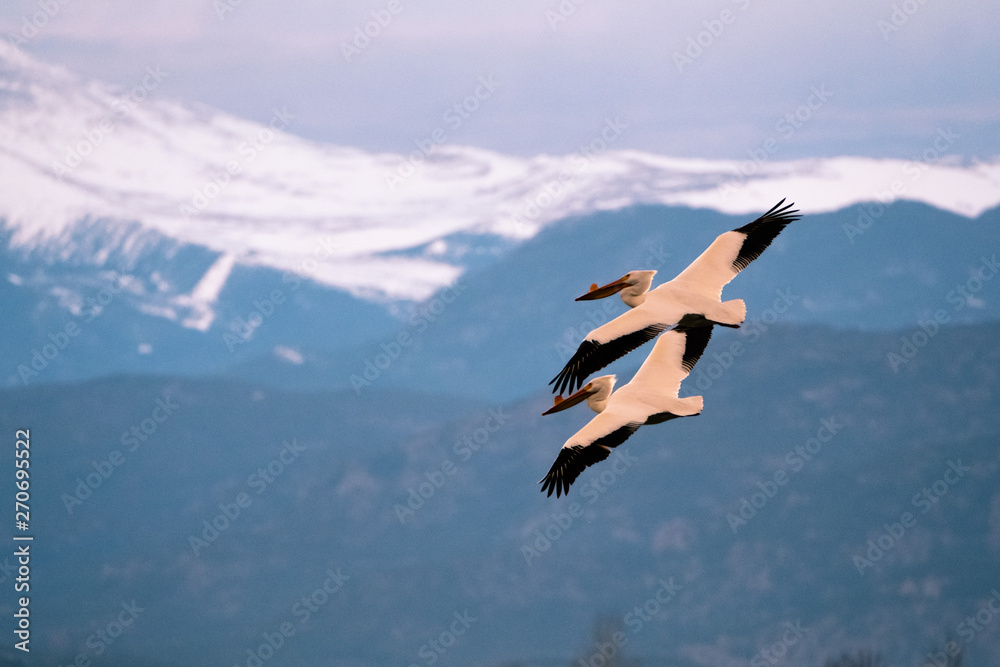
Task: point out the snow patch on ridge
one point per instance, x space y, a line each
262 196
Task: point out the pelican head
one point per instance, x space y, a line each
596 393
633 287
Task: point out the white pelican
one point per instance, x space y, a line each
650 398
693 298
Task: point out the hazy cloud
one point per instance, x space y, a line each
693 79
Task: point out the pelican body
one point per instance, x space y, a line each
650 398
692 299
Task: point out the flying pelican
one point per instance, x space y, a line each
650 398
693 298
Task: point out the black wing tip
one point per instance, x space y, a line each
560 381
786 214
778 210
778 214
556 380
564 471
565 379
761 232
554 481
572 375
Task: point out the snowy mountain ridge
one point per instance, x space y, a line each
377 225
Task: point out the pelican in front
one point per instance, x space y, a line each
650 398
693 298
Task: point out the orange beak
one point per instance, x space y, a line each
601 292
564 404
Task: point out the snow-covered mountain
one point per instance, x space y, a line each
81 155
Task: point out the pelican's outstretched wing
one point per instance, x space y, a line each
604 345
733 251
674 355
584 450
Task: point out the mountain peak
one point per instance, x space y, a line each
74 150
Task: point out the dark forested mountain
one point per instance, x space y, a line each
822 502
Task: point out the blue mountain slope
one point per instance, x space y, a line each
131 312
508 329
533 571
896 267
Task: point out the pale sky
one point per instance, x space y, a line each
718 79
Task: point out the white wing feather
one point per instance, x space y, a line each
714 268
662 371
